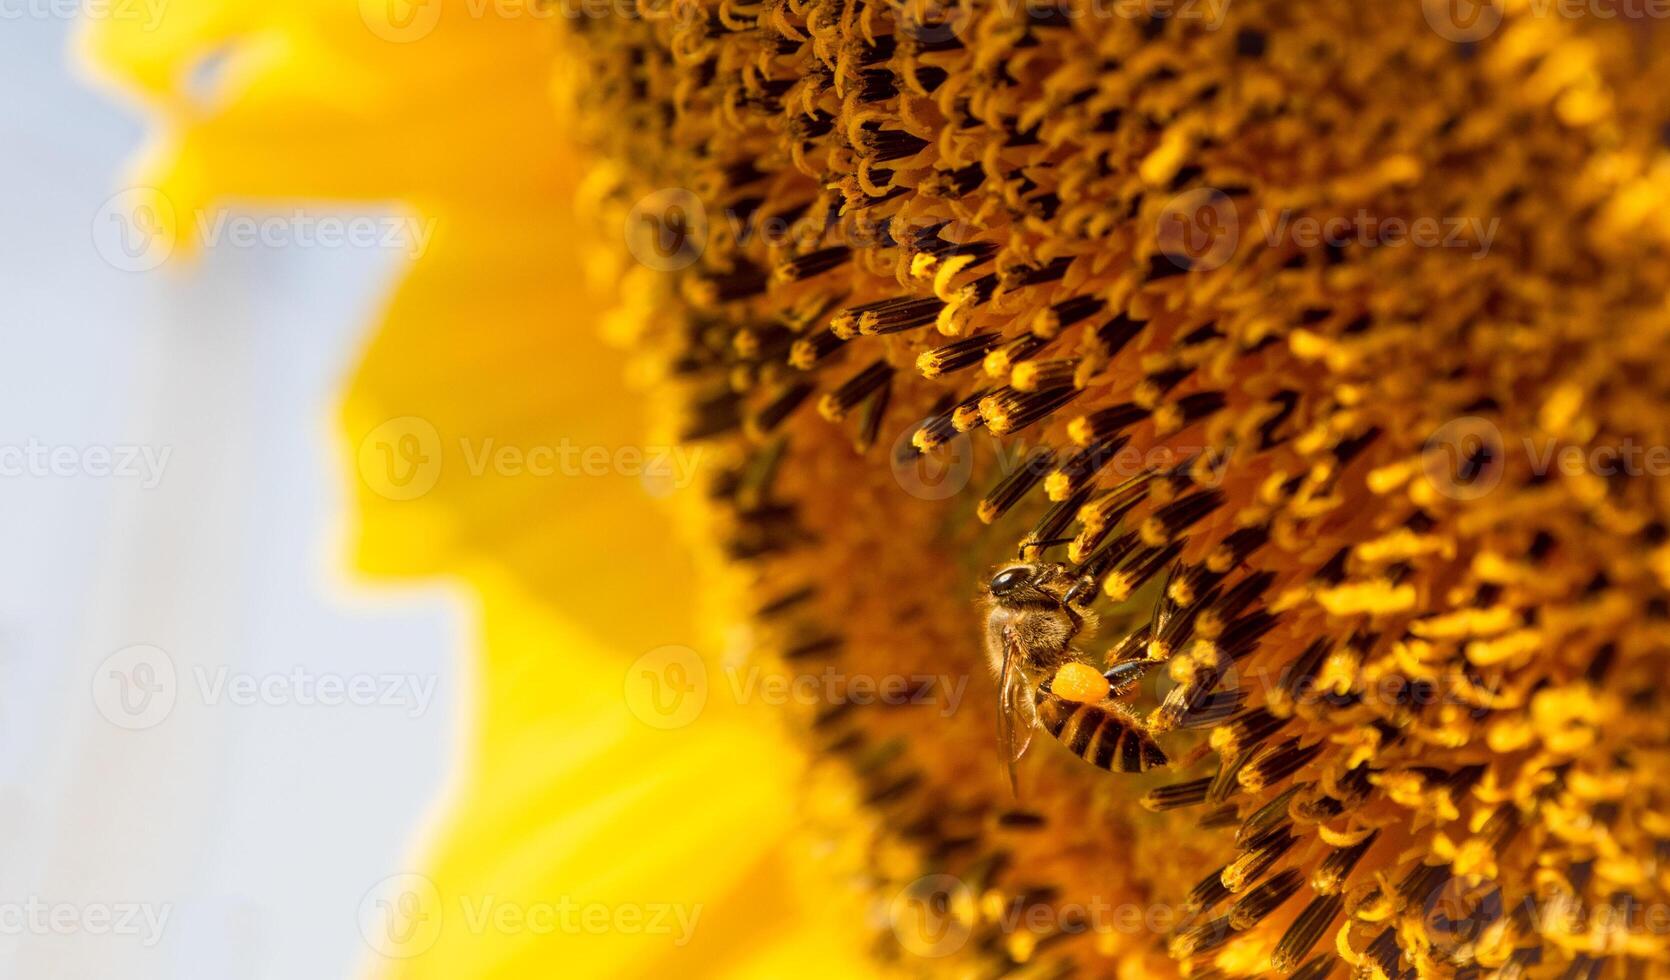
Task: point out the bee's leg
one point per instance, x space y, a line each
1124 675
1082 591
1217 707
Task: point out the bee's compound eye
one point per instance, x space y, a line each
1010 579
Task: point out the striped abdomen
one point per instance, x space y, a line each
1100 737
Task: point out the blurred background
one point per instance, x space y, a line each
212 745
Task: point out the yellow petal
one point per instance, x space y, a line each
580 838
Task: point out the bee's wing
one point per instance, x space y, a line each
1017 712
1164 608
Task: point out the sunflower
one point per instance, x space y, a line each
1313 351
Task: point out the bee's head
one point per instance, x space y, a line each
1034 583
1012 578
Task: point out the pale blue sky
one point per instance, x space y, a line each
260 827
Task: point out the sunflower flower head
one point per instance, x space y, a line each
1300 335
1315 352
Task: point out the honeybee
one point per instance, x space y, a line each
1035 613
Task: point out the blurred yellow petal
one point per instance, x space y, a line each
682 839
489 437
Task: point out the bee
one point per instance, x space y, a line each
1036 610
